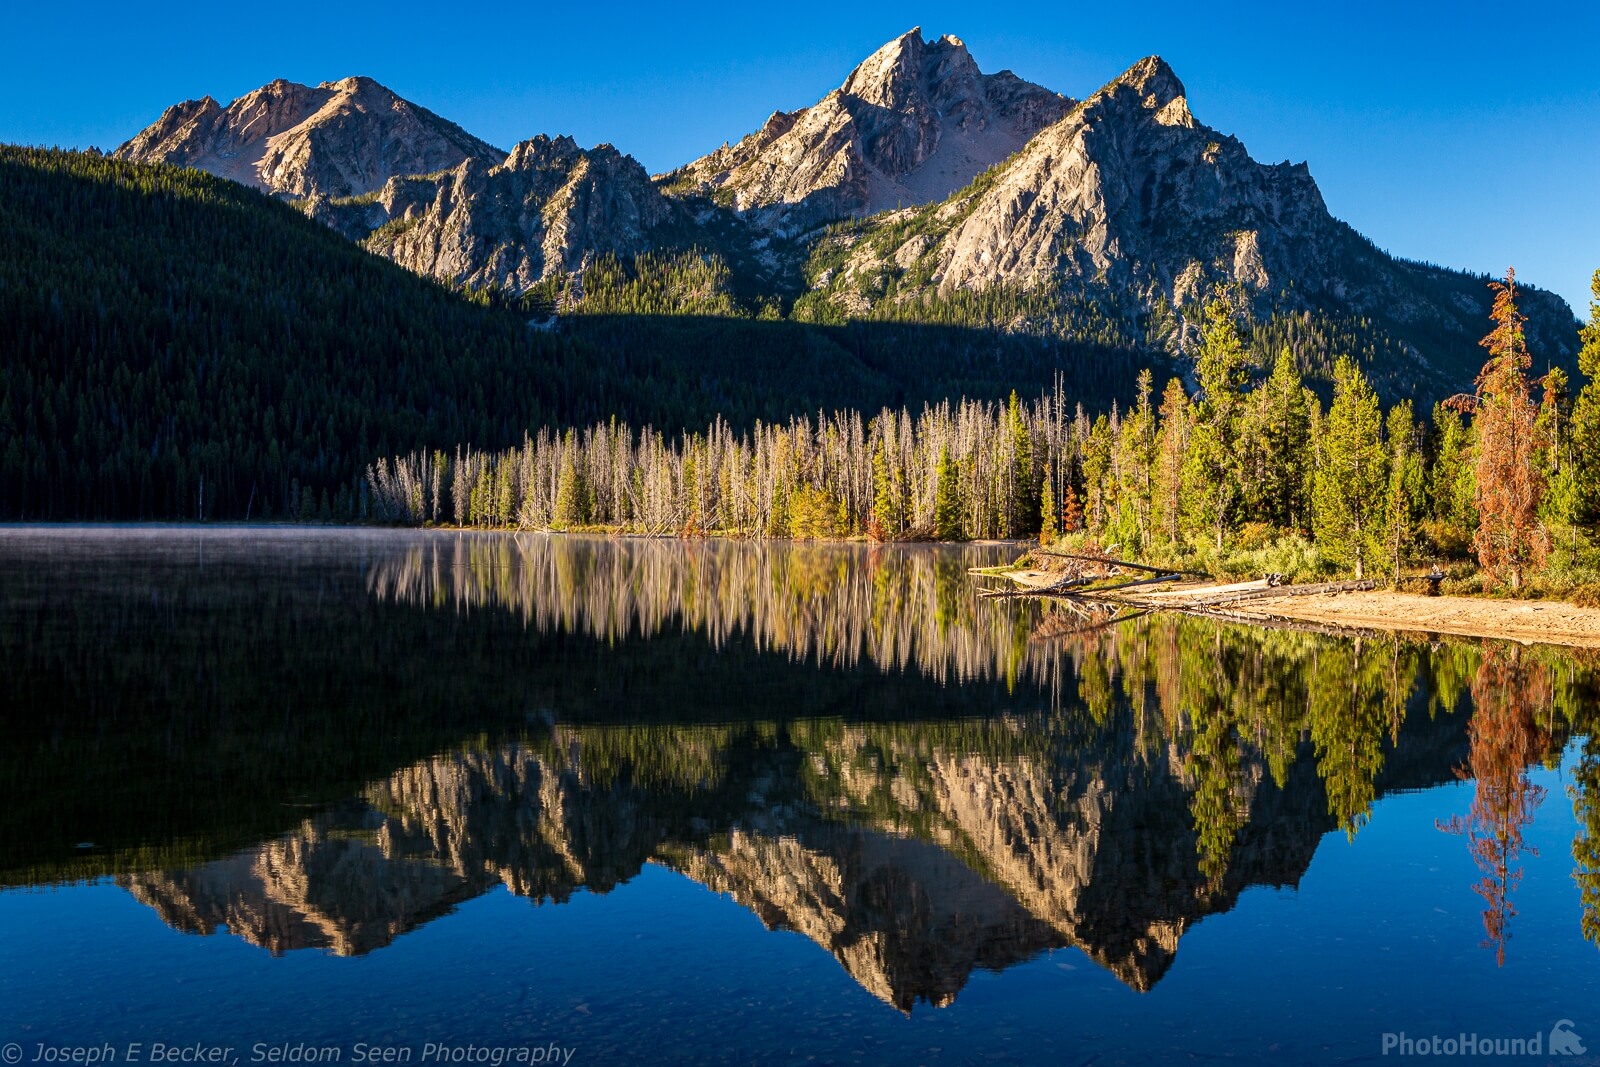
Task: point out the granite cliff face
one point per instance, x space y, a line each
1130 203
550 208
1123 208
342 138
912 124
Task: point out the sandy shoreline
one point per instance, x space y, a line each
1527 621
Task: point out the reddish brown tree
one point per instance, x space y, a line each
1508 693
1071 511
1510 540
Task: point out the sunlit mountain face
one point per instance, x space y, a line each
355 743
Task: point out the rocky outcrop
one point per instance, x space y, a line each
550 208
912 124
1130 203
1109 213
342 138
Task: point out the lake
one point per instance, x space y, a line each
286 795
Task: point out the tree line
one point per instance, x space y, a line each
178 346
1233 458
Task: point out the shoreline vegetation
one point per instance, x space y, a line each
1238 476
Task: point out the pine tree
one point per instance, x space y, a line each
1276 446
947 506
884 525
1452 482
1347 499
1048 528
1023 502
569 489
1554 459
1510 540
1211 470
1071 510
1172 444
1136 457
1585 426
1405 497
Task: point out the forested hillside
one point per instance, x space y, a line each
173 345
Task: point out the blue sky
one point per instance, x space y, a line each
1466 134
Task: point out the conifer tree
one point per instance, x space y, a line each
569 490
1585 425
1136 457
1071 510
1172 445
1554 459
947 506
1405 497
1276 448
1347 499
1048 528
1510 540
884 524
1451 480
1211 470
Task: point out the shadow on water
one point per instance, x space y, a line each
325 740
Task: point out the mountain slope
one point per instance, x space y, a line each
1131 204
342 138
914 122
157 360
549 209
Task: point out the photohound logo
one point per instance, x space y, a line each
1562 1042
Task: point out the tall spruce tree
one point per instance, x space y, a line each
1585 425
1212 493
1136 448
1275 447
947 506
1348 495
1172 445
1048 523
1452 483
1406 497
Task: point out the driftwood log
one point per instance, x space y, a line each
1276 591
1109 562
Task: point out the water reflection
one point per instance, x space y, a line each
1512 694
842 740
892 607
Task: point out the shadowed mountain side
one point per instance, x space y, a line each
161 363
1131 204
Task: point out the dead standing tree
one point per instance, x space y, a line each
1510 538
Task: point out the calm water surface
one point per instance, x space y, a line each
497 799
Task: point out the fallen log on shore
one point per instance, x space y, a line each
1109 562
1275 591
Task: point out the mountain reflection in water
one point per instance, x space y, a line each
841 739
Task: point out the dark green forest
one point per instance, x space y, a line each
177 346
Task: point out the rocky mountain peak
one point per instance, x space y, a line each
542 151
1155 87
909 70
339 138
888 76
912 123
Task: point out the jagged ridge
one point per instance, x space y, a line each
341 138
